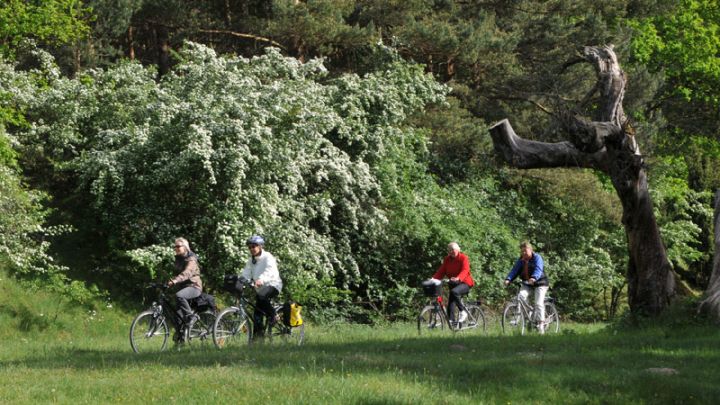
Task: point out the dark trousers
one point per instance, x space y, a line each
183 310
264 307
455 299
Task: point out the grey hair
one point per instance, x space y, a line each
183 242
525 244
453 246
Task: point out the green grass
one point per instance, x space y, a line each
85 357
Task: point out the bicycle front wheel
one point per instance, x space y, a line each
430 319
476 318
232 328
149 333
513 321
552 319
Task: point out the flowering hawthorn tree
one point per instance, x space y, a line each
223 147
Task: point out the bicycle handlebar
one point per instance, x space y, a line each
234 278
520 283
443 281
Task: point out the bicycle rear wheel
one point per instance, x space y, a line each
148 333
552 319
232 328
430 319
513 321
287 334
200 331
476 318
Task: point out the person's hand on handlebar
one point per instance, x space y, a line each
506 282
170 283
531 281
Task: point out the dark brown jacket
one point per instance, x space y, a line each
189 270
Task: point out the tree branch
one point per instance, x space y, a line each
247 36
525 99
611 83
525 154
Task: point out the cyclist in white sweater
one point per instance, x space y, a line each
262 269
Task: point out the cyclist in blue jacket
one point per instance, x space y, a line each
531 269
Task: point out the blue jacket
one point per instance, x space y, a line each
536 270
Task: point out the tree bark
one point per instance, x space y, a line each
131 44
711 303
606 143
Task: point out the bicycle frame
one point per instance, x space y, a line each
162 310
526 313
440 308
229 324
528 309
245 306
242 305
151 328
434 316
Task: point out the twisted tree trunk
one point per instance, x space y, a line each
606 143
711 303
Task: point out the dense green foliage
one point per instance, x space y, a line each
681 44
24 233
357 166
53 22
684 43
23 240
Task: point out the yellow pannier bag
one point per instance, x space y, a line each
295 317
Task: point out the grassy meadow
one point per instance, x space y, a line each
57 353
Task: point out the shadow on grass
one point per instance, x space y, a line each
601 367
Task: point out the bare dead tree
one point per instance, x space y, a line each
711 302
606 143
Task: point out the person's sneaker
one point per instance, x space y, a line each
463 316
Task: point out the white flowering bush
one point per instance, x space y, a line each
225 147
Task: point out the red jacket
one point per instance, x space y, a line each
455 267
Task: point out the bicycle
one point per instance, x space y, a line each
150 331
434 316
234 326
518 312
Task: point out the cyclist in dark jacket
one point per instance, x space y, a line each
186 263
531 269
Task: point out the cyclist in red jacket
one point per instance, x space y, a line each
456 266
